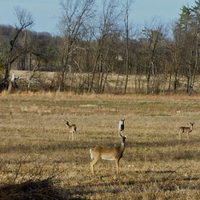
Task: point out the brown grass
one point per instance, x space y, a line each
34 144
78 83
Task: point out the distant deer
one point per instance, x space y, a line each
72 129
121 125
187 130
107 153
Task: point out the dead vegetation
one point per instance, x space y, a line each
78 83
35 146
30 190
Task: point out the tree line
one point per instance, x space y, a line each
92 44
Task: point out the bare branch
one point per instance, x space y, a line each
24 18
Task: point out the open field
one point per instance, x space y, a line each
35 144
78 83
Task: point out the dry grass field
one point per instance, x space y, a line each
35 144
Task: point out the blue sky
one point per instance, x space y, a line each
45 12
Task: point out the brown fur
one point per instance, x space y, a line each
187 130
108 153
72 129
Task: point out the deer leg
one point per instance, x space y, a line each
75 136
92 165
92 168
179 135
117 166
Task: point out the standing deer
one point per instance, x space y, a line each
72 129
184 129
121 125
107 153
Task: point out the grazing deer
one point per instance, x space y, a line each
72 129
121 125
187 130
107 153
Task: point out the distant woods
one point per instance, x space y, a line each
101 51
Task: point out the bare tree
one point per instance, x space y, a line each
154 36
126 20
73 25
107 31
25 20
